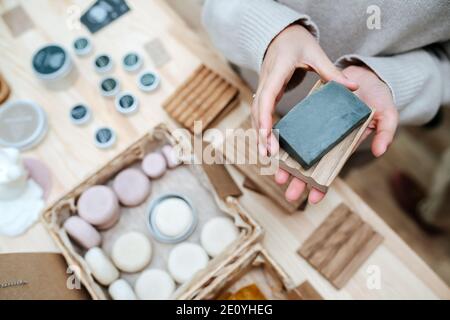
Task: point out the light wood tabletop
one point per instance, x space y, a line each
70 152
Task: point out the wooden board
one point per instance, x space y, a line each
244 160
322 174
17 21
340 245
204 96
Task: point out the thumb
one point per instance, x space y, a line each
329 72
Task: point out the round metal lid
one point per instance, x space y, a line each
23 124
104 137
148 81
126 103
152 225
51 62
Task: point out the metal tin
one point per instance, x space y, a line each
109 86
132 62
23 124
103 63
104 137
148 81
82 46
151 219
126 103
80 114
51 62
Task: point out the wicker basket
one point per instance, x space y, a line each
218 268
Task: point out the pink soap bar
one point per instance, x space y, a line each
82 232
154 165
99 206
132 187
171 157
40 173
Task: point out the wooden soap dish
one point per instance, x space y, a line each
322 174
205 96
340 245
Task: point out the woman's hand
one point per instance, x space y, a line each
375 93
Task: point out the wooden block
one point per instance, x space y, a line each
322 174
4 90
340 245
304 291
326 253
347 251
341 280
324 231
17 21
205 96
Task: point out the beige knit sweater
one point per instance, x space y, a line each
410 51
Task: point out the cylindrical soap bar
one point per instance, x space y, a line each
99 206
154 165
82 232
132 187
101 267
173 217
185 260
131 252
121 290
154 284
170 155
217 234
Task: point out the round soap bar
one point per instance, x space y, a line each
121 290
132 187
40 173
101 267
185 260
154 165
131 252
173 217
217 234
154 284
82 232
99 206
171 157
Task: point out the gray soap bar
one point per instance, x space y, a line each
319 122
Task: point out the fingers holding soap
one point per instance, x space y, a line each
281 176
315 196
295 189
387 122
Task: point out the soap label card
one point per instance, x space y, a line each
102 13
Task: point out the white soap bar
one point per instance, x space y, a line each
173 217
131 252
217 234
101 267
185 260
121 290
13 176
154 284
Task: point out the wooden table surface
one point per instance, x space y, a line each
72 156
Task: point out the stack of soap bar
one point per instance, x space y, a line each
319 122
